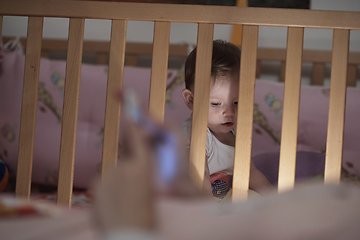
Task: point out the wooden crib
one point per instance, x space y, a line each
162 15
139 54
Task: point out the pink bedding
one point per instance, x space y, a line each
49 113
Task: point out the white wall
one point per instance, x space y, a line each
186 33
313 38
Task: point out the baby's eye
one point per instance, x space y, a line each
235 103
215 104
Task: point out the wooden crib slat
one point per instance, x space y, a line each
335 130
245 112
201 99
159 70
183 13
290 109
28 108
113 106
1 21
318 74
70 110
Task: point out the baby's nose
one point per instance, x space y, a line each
229 111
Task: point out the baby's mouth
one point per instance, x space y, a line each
228 124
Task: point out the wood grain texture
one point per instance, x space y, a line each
28 107
70 110
245 113
309 55
1 23
201 103
183 13
113 105
335 129
159 70
289 130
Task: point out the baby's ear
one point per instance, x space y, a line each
188 98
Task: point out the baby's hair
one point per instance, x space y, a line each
225 60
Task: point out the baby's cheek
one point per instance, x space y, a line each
212 115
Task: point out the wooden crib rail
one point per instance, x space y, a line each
113 107
183 13
159 70
245 112
28 109
201 99
70 110
205 17
319 58
335 131
291 108
1 23
134 51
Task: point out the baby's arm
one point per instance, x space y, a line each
258 182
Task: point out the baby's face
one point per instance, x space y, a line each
223 104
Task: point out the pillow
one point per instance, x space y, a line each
49 113
313 118
267 116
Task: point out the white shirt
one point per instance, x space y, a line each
220 157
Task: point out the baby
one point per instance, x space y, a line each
220 141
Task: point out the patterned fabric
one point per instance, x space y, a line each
89 136
221 183
219 189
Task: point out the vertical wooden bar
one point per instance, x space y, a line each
70 110
159 70
291 109
201 103
28 108
335 130
1 21
245 112
318 74
113 106
351 75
